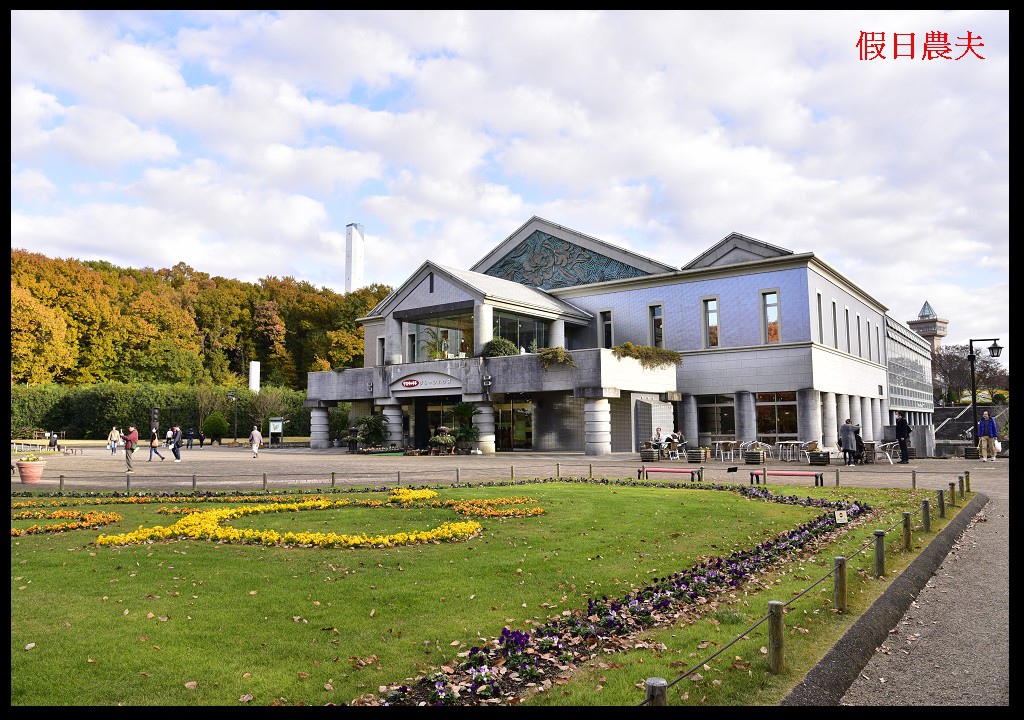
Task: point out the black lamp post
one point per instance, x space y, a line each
232 396
995 350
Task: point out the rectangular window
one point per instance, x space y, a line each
821 323
606 329
835 325
869 339
380 351
860 346
878 343
430 277
846 312
410 350
711 323
770 317
655 329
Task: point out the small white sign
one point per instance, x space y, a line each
841 517
277 427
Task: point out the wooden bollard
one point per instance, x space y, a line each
839 583
967 479
879 553
128 484
332 478
906 531
942 504
776 630
513 473
913 479
61 487
398 479
926 515
591 471
558 471
458 475
837 477
264 482
961 481
657 691
193 482
952 494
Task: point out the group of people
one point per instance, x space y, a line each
661 442
174 440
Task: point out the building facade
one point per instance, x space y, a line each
775 345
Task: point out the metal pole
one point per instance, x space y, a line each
974 395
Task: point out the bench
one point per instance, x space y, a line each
695 473
819 477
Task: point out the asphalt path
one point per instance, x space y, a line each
938 636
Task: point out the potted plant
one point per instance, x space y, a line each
30 468
754 454
442 443
698 455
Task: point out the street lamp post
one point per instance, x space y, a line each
995 350
232 396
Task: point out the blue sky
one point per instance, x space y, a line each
243 142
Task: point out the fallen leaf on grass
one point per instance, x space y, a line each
245 698
303 675
328 686
191 684
30 646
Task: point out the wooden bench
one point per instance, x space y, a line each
819 477
695 473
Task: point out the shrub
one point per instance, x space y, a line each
499 347
551 356
650 358
373 430
215 427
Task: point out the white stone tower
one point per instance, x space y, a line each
353 257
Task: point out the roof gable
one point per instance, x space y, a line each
548 256
733 249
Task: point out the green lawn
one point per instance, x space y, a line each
194 622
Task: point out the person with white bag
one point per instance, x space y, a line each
987 437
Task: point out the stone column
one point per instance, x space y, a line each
392 341
483 327
866 432
855 410
829 425
484 422
746 415
597 413
556 334
689 414
393 414
319 433
876 419
842 408
808 413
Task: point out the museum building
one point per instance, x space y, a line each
775 346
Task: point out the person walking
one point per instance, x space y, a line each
848 440
255 439
113 438
131 441
190 435
154 446
170 435
202 438
903 437
987 434
176 443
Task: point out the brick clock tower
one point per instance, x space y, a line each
929 326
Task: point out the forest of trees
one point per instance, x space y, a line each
85 322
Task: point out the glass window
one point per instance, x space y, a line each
711 322
656 338
860 344
410 351
821 323
776 417
716 419
380 351
846 311
835 326
606 329
770 316
524 332
869 339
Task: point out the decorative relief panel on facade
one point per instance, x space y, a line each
548 262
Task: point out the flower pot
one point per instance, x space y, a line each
31 472
754 457
696 456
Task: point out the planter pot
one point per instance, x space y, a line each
648 455
754 457
30 472
696 456
818 458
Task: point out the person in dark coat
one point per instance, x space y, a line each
903 437
848 440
